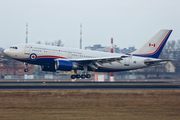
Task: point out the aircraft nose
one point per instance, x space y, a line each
6 51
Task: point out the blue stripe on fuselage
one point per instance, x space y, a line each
39 61
51 62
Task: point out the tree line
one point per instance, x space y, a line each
171 50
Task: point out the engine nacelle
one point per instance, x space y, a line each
48 68
65 65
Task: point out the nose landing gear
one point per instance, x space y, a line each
26 68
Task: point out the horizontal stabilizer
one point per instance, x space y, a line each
155 61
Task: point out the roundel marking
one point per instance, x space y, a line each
33 56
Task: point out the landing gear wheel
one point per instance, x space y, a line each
83 76
26 70
78 76
88 76
73 76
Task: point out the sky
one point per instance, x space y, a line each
129 22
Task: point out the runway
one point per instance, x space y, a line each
54 82
82 87
125 85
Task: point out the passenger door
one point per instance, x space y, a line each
27 49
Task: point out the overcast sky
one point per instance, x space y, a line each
129 22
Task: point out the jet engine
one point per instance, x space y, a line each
65 65
48 68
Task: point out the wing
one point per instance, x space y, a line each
100 60
95 62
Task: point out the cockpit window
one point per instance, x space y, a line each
13 47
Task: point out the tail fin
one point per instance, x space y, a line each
153 47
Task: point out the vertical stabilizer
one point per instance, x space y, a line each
153 47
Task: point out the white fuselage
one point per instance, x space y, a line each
46 55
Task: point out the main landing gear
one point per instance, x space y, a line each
83 76
78 76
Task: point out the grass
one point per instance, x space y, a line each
89 104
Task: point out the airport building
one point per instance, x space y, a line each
98 47
13 67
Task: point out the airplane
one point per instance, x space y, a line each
52 58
